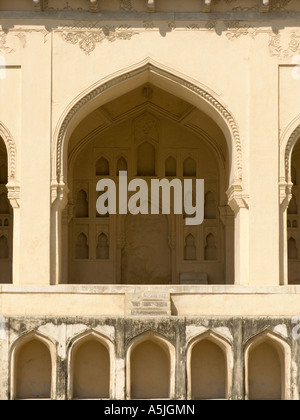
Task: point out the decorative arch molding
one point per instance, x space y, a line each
18 344
164 343
13 187
224 344
279 342
150 67
11 151
289 138
76 342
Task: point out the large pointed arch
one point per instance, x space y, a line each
148 70
121 83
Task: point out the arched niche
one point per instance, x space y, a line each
122 165
82 247
211 252
102 167
209 367
190 249
91 366
267 367
150 362
82 204
189 167
102 252
33 367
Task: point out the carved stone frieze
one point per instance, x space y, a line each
87 39
284 50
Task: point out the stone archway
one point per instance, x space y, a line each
199 97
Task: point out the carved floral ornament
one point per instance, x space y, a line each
13 188
88 39
87 35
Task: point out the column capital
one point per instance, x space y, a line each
59 195
236 197
13 194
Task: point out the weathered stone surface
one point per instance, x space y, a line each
177 331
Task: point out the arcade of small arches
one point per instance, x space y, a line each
150 364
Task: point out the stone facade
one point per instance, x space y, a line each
129 307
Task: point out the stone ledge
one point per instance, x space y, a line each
170 289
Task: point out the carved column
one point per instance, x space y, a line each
13 195
227 218
285 195
59 199
239 204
